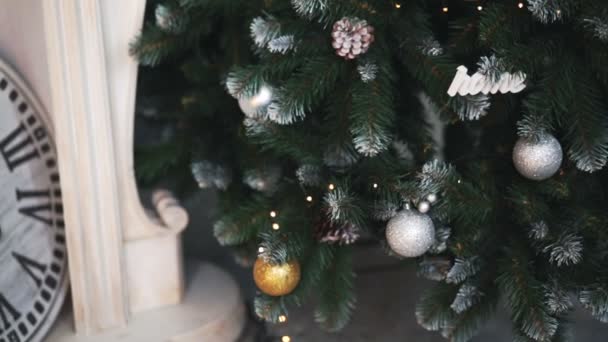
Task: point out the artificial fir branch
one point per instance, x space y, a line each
433 310
272 137
566 250
229 229
171 19
462 269
595 299
337 297
318 261
263 30
343 207
434 268
156 45
524 298
599 26
467 296
372 115
466 325
557 299
310 8
282 44
304 90
538 230
358 125
269 308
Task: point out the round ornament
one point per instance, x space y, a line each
33 258
410 233
537 159
256 105
424 207
276 280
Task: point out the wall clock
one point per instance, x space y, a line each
33 265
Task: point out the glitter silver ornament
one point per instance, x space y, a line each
539 158
410 233
256 105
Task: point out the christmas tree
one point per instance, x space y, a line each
328 123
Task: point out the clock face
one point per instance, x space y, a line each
33 279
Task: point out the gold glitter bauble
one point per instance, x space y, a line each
276 280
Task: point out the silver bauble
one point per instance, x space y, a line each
410 233
256 105
537 159
424 207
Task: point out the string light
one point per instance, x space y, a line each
285 339
445 9
308 198
331 186
520 5
479 8
273 214
282 319
275 226
397 5
375 185
261 250
559 12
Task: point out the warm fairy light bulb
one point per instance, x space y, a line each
275 226
282 318
375 185
445 9
273 214
520 5
261 250
397 5
285 339
559 12
308 198
479 8
331 186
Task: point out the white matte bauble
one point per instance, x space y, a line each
410 233
257 104
537 159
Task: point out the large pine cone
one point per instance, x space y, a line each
352 37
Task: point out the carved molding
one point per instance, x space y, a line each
123 259
86 150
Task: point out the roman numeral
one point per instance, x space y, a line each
31 267
8 314
39 211
18 148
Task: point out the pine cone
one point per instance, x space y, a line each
352 37
329 232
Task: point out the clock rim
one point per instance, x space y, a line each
23 88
